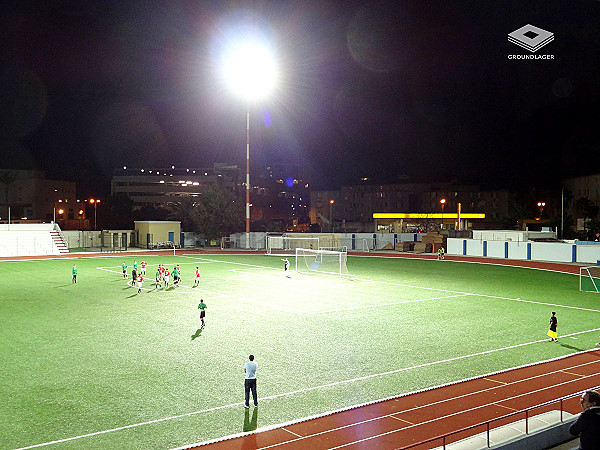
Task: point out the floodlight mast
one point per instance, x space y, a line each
247 174
251 72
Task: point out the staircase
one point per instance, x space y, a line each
59 242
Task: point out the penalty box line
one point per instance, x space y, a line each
299 391
459 293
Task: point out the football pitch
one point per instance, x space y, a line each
96 365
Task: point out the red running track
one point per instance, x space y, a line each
406 420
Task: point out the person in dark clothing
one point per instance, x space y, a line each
553 323
587 425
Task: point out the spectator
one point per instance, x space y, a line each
587 425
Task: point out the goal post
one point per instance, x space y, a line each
321 261
290 243
589 279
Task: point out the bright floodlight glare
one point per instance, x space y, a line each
250 70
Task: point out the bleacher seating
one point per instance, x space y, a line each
31 240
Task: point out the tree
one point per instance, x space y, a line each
586 209
183 211
121 212
7 178
218 213
514 222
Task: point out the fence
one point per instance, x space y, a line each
506 418
353 241
534 251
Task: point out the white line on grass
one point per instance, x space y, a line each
318 416
299 391
487 296
458 293
246 299
379 305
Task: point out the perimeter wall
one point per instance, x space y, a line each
588 253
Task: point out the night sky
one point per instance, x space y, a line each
395 91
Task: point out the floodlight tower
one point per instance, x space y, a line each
250 70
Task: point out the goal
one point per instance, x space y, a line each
321 261
589 279
289 243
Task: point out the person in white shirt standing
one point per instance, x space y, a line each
250 382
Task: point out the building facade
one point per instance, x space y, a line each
352 207
32 197
158 187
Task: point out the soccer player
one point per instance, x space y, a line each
158 277
74 273
178 274
166 276
124 266
286 266
140 283
553 323
441 252
202 307
134 277
197 279
135 265
143 271
175 276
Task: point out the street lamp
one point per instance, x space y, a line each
443 203
95 203
331 202
541 206
250 70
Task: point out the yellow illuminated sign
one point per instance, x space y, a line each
428 216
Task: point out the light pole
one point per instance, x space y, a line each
443 203
331 202
250 70
95 203
541 206
562 212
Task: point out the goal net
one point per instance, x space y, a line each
321 261
589 279
289 243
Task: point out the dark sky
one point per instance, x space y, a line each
397 91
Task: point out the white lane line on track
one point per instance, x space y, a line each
287 394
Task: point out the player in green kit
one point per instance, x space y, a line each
74 273
158 277
202 307
124 266
175 276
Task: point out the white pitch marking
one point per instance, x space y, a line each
299 391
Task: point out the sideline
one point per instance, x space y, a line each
299 391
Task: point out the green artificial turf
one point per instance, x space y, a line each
100 366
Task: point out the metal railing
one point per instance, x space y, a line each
488 424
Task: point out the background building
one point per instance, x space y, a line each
158 187
32 197
352 207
